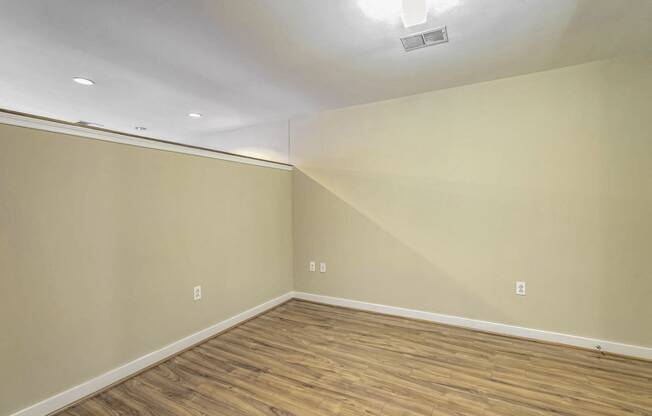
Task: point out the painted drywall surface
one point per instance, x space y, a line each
442 201
247 62
267 141
102 243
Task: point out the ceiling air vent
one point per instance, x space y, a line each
423 39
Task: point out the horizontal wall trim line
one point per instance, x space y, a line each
497 328
90 387
57 126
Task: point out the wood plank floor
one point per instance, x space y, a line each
309 359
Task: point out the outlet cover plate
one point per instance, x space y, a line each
520 288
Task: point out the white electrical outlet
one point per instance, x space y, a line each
312 266
520 288
322 267
196 293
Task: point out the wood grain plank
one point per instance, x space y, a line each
310 359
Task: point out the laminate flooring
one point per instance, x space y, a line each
309 359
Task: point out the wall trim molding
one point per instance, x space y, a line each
83 390
498 328
55 126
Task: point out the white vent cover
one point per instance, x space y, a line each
423 39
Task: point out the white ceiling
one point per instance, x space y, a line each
247 62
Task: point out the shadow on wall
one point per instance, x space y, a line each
543 178
369 262
458 248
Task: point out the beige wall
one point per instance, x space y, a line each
101 244
441 201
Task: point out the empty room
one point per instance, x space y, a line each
326 207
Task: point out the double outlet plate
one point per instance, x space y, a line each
312 266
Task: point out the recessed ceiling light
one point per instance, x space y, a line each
194 115
83 81
140 128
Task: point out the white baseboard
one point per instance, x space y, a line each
536 334
89 387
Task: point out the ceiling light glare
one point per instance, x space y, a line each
83 81
386 11
414 13
194 115
436 7
394 11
